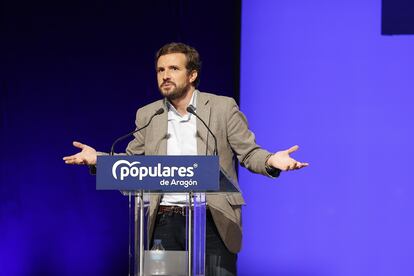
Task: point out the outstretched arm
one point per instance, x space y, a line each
251 155
86 157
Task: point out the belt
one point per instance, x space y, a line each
163 209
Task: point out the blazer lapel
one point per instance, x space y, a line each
203 110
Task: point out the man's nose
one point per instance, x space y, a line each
166 75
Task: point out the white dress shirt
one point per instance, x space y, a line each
182 140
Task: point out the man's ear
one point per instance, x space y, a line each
193 76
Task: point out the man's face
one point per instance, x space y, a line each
173 79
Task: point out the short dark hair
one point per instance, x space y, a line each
193 57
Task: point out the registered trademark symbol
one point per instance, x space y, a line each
195 165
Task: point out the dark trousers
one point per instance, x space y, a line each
170 228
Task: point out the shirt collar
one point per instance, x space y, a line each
193 102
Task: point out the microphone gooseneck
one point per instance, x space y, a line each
191 110
158 112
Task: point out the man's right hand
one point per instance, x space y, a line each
86 157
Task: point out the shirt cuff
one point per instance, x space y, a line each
92 169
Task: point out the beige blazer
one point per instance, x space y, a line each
234 139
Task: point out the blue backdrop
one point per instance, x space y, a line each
79 70
319 74
314 73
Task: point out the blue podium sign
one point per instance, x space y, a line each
158 173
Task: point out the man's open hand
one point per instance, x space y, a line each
86 157
282 160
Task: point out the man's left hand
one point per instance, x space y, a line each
282 160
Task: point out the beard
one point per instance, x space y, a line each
176 92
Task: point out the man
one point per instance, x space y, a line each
176 132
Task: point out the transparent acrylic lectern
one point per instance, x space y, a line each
143 180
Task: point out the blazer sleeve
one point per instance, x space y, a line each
243 143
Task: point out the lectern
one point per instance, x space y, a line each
143 179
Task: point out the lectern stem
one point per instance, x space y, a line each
190 232
141 233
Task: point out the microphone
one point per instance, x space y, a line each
191 110
158 112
